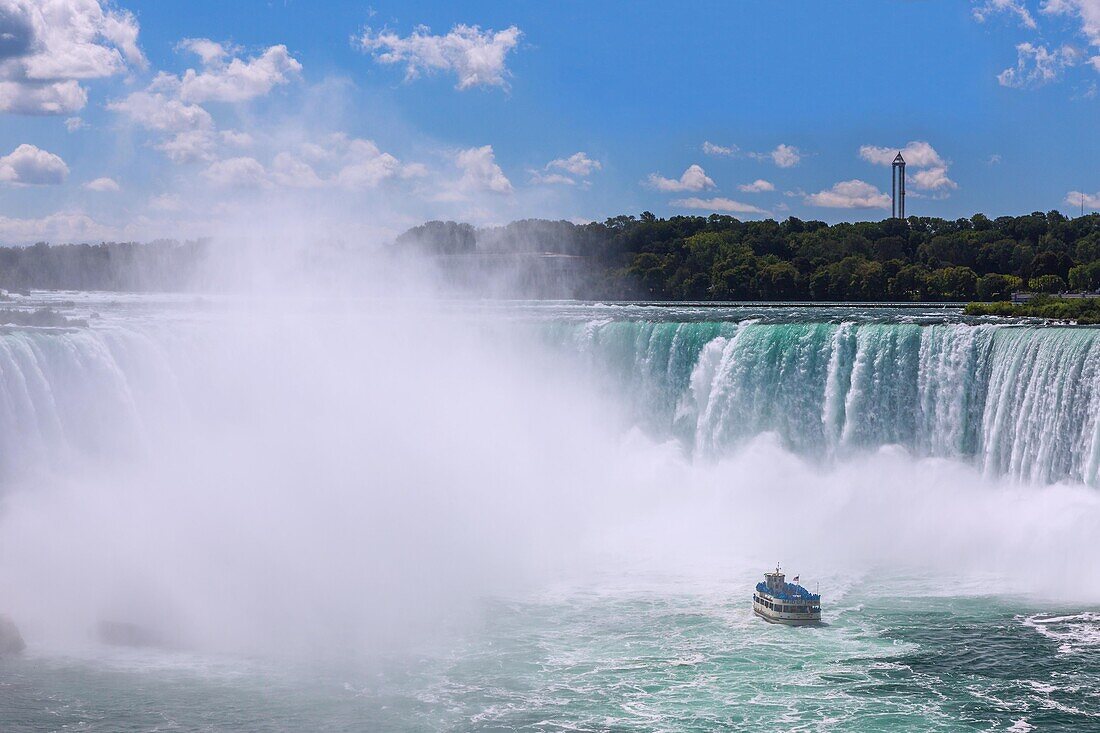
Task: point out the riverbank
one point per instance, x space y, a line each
1084 311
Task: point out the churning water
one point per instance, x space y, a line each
340 516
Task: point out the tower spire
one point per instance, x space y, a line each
897 183
898 186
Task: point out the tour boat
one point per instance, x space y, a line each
779 602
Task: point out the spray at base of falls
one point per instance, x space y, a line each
295 482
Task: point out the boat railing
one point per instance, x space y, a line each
791 593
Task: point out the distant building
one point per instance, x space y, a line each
897 181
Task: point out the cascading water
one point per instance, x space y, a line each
1022 402
427 520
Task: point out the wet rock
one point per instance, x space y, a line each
11 641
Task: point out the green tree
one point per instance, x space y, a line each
1047 284
952 283
1085 277
911 283
995 286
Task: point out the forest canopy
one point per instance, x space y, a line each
722 258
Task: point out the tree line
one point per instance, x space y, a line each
122 266
722 258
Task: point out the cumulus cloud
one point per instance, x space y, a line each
103 185
289 170
165 202
1078 199
1037 65
47 48
710 148
757 186
931 179
237 139
926 169
62 226
365 166
333 161
189 146
984 10
72 124
551 179
854 194
234 80
692 179
718 204
240 172
784 156
28 165
159 111
578 165
475 57
53 98
480 171
171 104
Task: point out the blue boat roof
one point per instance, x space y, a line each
789 592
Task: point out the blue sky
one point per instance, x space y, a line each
157 118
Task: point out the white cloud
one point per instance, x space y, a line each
234 80
476 57
1087 12
757 186
53 98
931 179
189 146
710 148
209 52
784 156
28 165
854 194
72 124
102 185
718 204
366 166
237 173
58 227
993 159
480 171
1076 199
917 154
692 179
538 177
166 202
237 139
1013 7
290 170
50 46
1037 65
579 164
158 111
931 168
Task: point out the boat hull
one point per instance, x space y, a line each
788 619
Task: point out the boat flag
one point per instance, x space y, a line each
796 578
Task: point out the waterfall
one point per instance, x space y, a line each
1022 402
70 394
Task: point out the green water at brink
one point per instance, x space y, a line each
639 653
